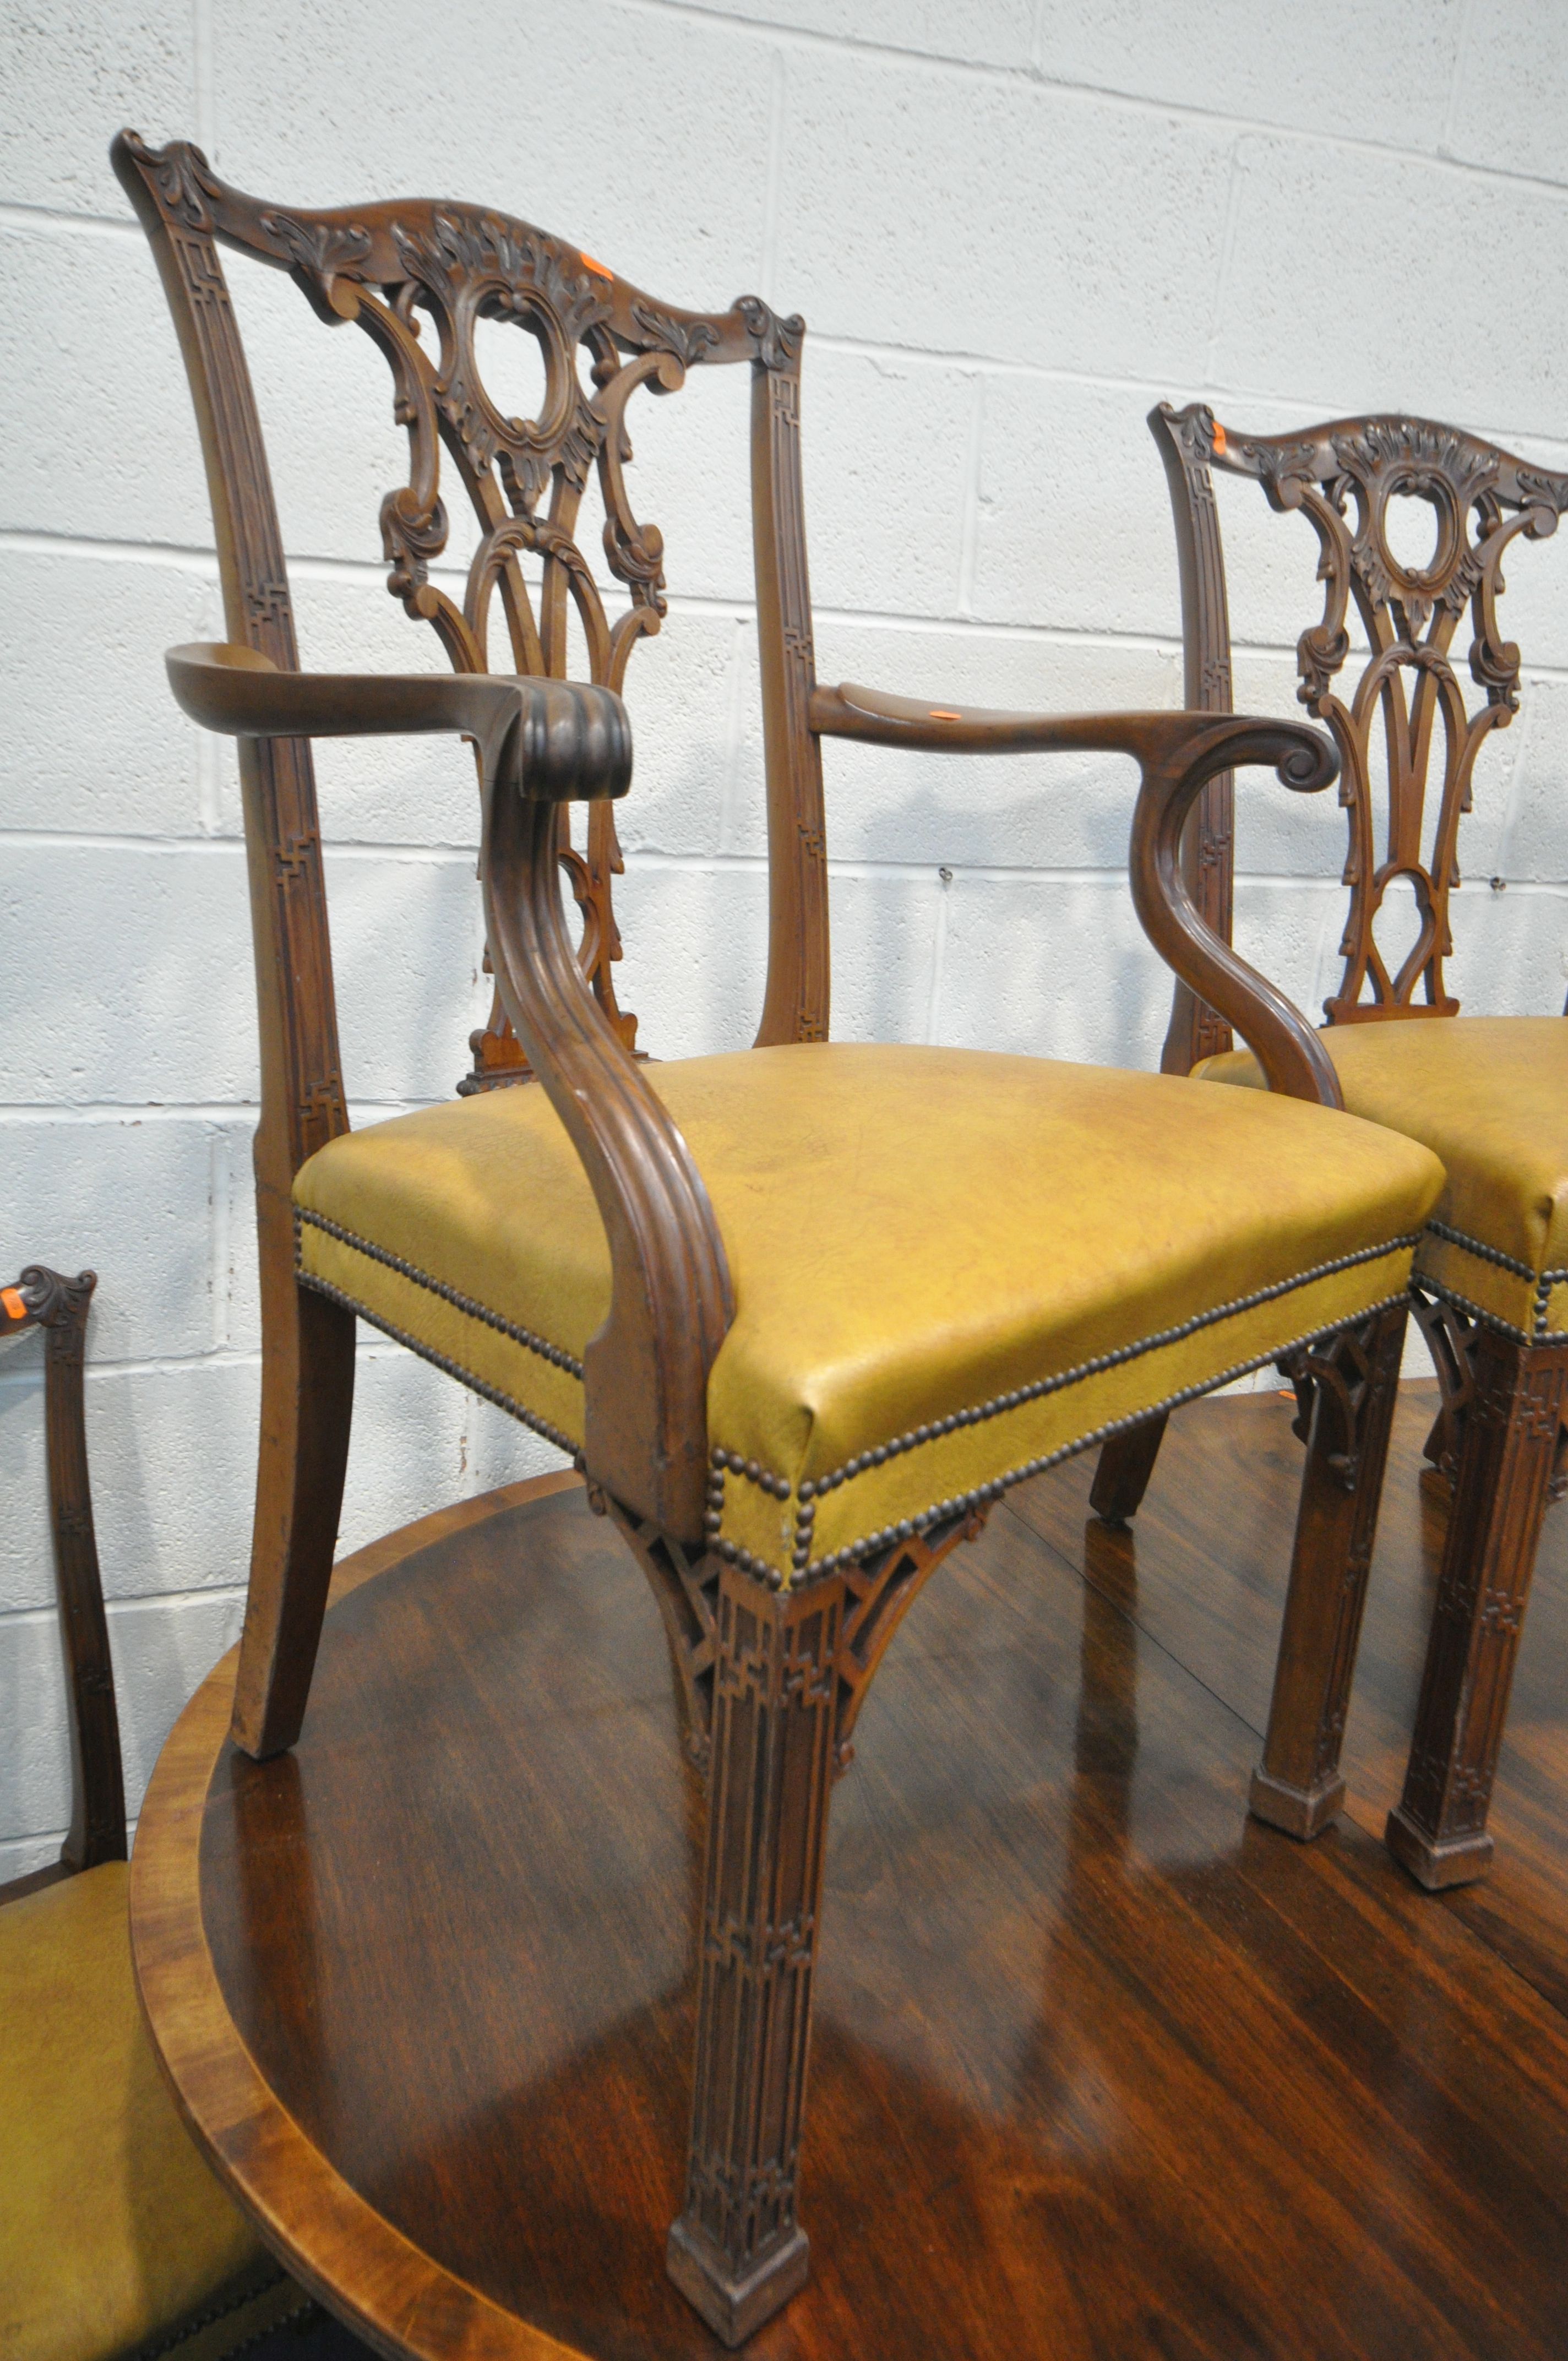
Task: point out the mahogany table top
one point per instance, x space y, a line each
1103 2069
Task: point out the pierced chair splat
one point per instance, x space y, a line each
1489 1095
803 1313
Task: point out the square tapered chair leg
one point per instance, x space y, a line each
1347 1392
736 2252
1506 1455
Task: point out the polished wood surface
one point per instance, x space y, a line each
1101 2067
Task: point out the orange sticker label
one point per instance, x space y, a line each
1219 440
945 713
14 1301
596 268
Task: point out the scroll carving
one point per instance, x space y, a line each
777 341
418 277
1344 478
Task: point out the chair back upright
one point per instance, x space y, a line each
380 266
45 1299
1343 477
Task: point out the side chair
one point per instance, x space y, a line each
801 1313
114 2235
1489 1095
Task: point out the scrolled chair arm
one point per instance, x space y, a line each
1178 754
562 742
543 742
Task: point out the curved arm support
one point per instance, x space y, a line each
645 1373
543 742
1178 753
1182 752
549 739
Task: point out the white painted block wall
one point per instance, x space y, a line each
1012 226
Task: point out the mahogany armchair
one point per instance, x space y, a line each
1489 1095
802 1313
114 2235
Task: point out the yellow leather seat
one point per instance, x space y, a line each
1489 1095
950 1267
112 2228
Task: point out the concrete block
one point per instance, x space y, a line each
1031 811
324 395
1388 80
164 1010
422 1441
691 691
886 461
69 1186
70 76
1534 833
1010 240
21 1856
172 1457
163 1650
27 1564
34 1763
885 947
106 446
644 142
696 952
97 742
1073 531
691 473
407 939
1485 129
1290 929
1279 833
992 32
696 955
1510 950
1385 342
493 1449
1045 968
171 1453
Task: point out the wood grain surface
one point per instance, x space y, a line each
1102 2067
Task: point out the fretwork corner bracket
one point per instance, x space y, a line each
879 1591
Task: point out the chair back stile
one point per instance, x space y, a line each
1344 476
380 267
59 1304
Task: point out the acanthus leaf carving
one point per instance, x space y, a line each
686 339
318 249
777 341
182 177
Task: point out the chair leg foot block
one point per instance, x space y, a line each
734 2308
1302 1812
1436 1864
